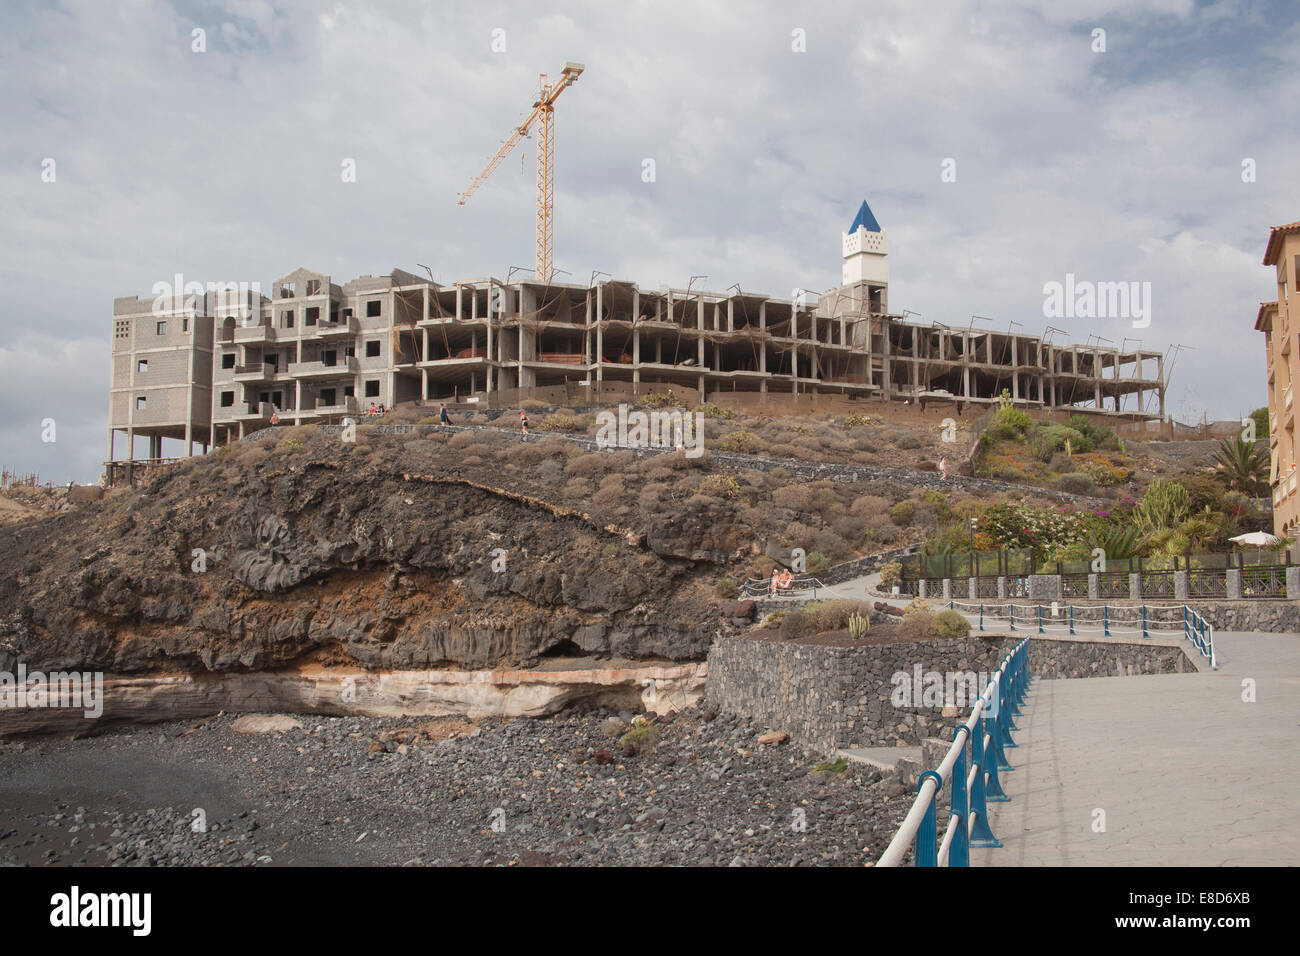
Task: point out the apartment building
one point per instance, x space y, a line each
316 350
1282 345
160 383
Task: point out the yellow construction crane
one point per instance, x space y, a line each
543 115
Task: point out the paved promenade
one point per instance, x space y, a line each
1185 771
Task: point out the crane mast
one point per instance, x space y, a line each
543 116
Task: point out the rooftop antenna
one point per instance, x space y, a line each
973 318
513 269
1051 330
428 270
597 272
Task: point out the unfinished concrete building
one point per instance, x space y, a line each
316 350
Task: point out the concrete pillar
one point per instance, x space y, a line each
1293 584
1135 586
947 589
1094 587
1002 588
1182 586
1044 587
1234 584
921 588
974 588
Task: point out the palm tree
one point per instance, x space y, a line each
1242 464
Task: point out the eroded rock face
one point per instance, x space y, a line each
347 561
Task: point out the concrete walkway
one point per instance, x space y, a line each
1186 773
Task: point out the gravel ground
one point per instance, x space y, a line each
394 791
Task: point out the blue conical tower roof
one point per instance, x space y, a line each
864 219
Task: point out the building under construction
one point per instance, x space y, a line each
214 366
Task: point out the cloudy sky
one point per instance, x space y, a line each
767 125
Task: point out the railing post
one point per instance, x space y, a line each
1012 606
992 761
980 833
1144 621
927 843
1040 619
1071 618
1105 619
959 851
981 616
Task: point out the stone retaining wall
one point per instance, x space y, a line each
829 698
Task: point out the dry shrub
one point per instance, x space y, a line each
479 450
587 466
611 492
653 497
462 439
916 625
578 489
524 456
678 461
658 472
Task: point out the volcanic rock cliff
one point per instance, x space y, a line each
400 556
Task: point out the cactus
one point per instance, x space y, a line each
859 624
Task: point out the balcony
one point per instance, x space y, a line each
348 326
256 372
254 334
318 368
346 406
257 411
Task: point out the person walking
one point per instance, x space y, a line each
523 421
443 417
943 469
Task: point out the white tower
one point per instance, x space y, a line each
865 248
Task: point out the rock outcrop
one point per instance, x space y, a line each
253 561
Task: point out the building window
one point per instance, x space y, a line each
312 315
287 318
372 389
286 290
162 328
140 402
350 351
372 349
228 360
142 366
372 309
349 391
227 399
327 396
185 325
122 329
313 286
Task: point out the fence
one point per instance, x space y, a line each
1105 619
1008 574
980 742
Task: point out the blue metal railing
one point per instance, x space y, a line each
980 744
1111 621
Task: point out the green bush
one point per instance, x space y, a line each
817 563
902 513
950 624
720 486
1012 419
890 574
640 739
1046 440
856 421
